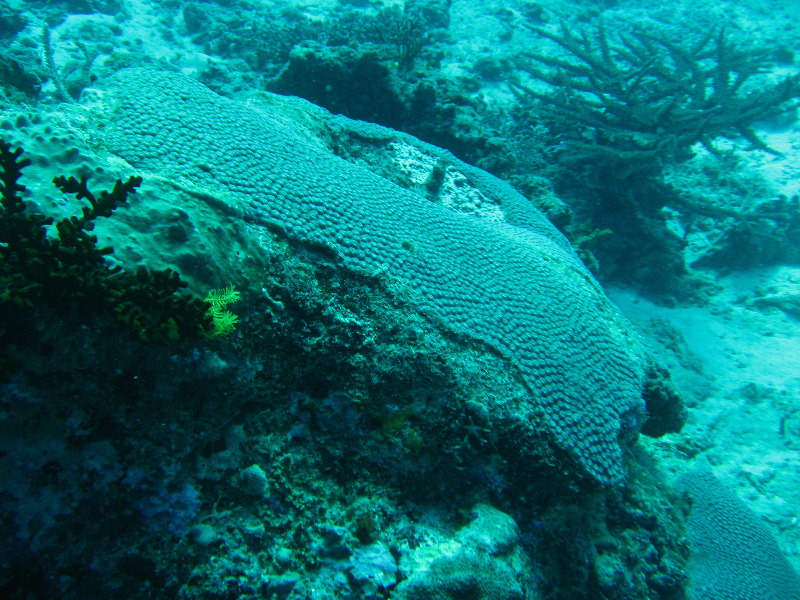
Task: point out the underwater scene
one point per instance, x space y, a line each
400 300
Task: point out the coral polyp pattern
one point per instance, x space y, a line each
512 283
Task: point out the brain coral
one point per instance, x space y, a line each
478 255
734 556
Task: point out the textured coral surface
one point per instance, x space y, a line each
516 287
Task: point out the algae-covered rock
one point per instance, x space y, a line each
482 560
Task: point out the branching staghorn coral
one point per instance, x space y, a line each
633 100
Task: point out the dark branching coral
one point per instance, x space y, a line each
67 271
635 100
409 35
394 34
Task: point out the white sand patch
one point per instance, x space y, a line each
737 360
783 171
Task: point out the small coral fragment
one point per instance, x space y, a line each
223 296
223 321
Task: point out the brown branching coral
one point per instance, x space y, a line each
65 270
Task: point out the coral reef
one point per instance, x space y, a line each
358 428
583 364
425 392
